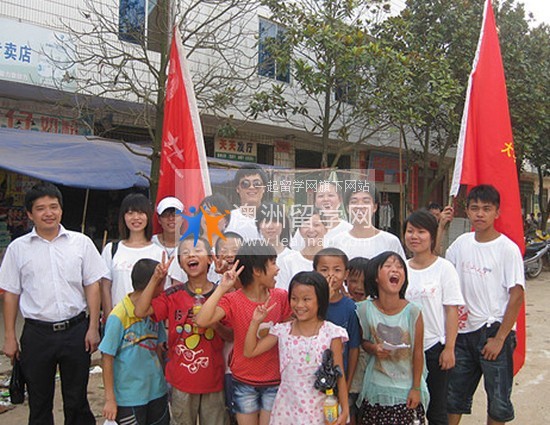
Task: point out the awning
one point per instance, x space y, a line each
70 160
89 162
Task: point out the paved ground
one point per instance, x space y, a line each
531 390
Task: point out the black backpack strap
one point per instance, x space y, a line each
114 248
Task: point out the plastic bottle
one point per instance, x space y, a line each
330 407
197 305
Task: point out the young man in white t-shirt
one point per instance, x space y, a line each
490 268
364 240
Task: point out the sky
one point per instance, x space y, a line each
539 8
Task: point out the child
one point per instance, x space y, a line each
364 240
434 286
302 342
357 272
226 251
394 390
490 268
313 231
223 258
255 381
135 388
135 226
332 263
272 225
195 366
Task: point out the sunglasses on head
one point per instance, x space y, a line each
245 184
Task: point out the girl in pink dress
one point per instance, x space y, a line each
302 342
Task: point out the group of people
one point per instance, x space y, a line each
237 330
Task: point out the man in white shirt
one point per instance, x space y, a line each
490 268
52 274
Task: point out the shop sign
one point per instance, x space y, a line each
237 150
36 55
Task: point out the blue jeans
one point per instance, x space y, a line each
250 399
497 374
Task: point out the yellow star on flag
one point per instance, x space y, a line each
509 150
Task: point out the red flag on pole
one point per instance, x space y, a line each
183 166
485 152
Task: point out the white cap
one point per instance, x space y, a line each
169 202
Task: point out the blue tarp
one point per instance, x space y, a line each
88 162
76 161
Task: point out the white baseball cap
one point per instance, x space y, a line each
169 202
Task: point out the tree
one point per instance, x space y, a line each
537 126
121 52
326 47
438 40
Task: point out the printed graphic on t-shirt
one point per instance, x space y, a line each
149 340
462 316
188 345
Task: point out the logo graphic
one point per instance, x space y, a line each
211 220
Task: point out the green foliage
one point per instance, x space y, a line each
327 47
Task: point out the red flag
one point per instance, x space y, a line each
485 152
183 166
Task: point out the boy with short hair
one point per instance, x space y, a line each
135 388
195 366
332 263
490 268
255 380
364 240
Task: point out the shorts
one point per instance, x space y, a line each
155 412
497 374
376 414
249 399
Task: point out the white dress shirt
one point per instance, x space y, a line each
49 276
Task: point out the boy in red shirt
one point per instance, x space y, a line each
195 367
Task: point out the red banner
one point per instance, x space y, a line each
183 165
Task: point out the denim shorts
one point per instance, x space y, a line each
250 399
497 374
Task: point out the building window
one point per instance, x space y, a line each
345 92
139 22
270 33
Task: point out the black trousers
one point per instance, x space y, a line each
438 384
42 350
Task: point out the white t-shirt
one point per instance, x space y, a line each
120 266
279 262
297 242
290 264
170 252
242 225
367 247
487 271
432 289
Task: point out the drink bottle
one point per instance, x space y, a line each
197 305
330 407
